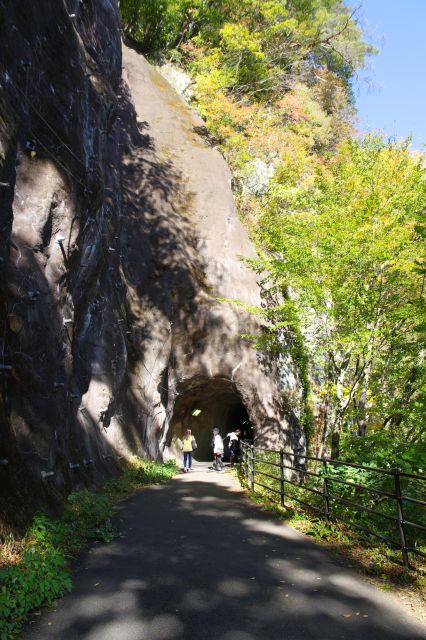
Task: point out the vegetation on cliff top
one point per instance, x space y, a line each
339 221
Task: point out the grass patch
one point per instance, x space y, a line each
34 571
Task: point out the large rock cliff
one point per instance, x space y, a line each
119 246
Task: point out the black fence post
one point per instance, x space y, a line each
401 521
282 495
323 470
252 468
326 497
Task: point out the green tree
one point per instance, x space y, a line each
292 39
345 247
162 25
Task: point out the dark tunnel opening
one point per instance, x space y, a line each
238 418
203 405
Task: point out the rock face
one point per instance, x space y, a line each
119 242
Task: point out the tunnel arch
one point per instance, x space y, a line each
204 403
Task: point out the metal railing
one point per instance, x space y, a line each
295 477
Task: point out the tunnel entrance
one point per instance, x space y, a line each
205 404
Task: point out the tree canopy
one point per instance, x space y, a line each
261 44
346 247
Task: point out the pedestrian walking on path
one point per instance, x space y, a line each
217 444
189 445
234 446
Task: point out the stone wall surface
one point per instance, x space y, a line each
119 242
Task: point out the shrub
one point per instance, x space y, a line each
41 575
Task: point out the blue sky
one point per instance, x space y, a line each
391 92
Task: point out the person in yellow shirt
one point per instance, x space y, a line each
189 444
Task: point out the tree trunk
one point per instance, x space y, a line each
325 410
335 438
361 404
335 443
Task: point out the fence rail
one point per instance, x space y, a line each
402 517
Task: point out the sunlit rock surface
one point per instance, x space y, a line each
119 243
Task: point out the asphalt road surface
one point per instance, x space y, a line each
197 561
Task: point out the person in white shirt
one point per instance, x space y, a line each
234 445
217 444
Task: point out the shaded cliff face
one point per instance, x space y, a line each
118 240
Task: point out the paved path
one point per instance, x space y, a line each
198 562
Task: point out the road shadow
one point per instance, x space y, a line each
196 560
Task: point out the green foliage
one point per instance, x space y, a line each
89 509
157 25
347 246
145 23
243 63
87 517
138 472
39 578
257 45
261 49
42 573
376 449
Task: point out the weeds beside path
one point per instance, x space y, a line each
34 571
